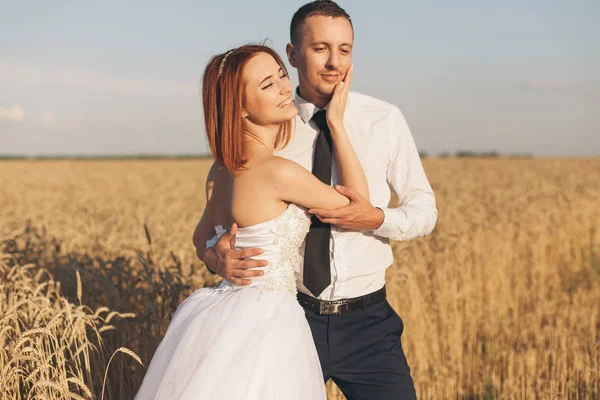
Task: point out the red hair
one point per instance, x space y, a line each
222 98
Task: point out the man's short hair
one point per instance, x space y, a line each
326 8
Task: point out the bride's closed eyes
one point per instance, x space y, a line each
271 84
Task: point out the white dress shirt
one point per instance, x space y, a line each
387 152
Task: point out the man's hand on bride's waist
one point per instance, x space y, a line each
231 264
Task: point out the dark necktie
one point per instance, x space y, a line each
317 272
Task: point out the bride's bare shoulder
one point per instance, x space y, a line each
281 168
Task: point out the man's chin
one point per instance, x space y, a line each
325 90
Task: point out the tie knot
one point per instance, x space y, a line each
320 118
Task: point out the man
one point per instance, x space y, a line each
342 283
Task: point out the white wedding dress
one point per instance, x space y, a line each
243 342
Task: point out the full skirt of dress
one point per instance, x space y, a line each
233 343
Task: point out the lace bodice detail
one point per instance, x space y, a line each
282 240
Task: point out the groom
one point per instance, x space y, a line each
342 283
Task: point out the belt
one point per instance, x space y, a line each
339 306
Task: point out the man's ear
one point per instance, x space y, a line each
291 55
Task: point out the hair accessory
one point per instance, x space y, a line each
223 62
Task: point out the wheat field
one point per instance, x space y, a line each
502 301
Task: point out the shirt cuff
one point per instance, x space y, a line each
393 220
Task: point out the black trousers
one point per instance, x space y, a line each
362 352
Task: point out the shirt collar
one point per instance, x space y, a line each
306 109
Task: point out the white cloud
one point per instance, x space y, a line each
48 119
14 71
14 113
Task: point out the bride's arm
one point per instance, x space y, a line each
295 184
349 169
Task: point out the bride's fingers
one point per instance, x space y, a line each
347 82
337 93
348 77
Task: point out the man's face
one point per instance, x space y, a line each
322 55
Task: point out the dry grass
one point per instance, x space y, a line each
501 302
49 347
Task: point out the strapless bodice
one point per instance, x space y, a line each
282 240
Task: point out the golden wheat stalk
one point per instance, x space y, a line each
119 350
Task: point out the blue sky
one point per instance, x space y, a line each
83 77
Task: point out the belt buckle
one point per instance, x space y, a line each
330 308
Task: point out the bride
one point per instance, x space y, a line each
257 333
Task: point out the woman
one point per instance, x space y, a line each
248 107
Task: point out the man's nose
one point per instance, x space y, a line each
333 62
